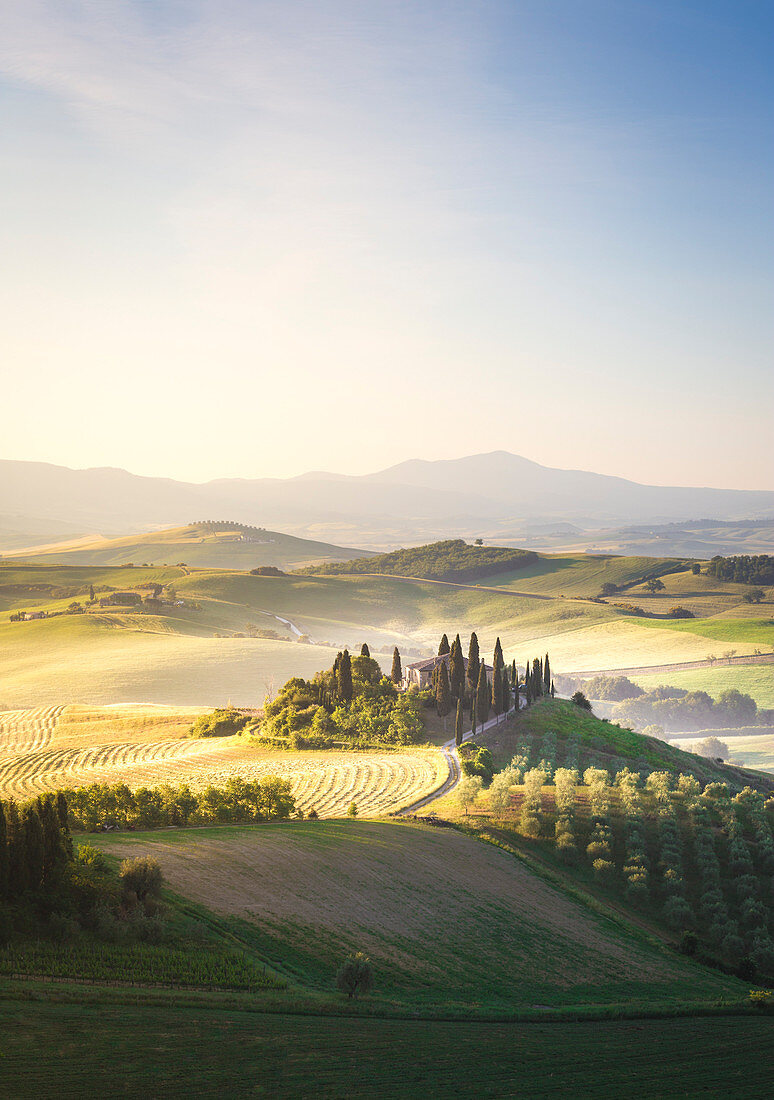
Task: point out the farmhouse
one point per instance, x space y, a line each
420 673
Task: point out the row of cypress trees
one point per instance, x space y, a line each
35 846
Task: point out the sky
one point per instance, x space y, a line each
248 239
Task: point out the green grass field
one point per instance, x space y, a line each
447 921
176 657
754 680
66 1049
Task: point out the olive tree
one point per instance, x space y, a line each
468 790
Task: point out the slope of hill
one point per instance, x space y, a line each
453 560
413 500
220 545
480 927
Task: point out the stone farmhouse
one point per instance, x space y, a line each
420 673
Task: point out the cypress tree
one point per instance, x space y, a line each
456 670
34 852
345 677
514 674
482 695
497 659
546 676
516 694
537 678
396 675
17 861
444 646
3 856
458 724
474 659
553 689
335 679
442 691
54 850
364 650
497 690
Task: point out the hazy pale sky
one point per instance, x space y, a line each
253 239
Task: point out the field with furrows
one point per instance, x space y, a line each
378 783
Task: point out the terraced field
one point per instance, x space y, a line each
32 762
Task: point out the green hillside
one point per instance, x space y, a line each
452 560
220 545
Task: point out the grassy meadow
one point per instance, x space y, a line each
424 903
209 650
241 1052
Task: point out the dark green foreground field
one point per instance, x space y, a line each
102 1048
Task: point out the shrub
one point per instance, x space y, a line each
604 870
223 722
355 975
142 876
580 700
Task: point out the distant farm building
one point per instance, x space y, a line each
420 673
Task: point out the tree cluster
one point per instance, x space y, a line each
676 709
743 568
35 847
452 560
114 805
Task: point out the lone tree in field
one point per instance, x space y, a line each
474 659
352 809
608 589
482 695
355 975
696 569
458 724
444 646
396 675
581 701
442 692
755 595
654 585
468 790
142 876
364 650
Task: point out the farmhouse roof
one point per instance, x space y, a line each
429 663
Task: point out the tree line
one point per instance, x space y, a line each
35 846
451 560
743 568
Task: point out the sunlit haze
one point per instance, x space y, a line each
247 239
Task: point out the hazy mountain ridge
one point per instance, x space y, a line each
494 495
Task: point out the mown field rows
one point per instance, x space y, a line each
377 782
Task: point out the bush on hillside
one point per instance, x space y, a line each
223 722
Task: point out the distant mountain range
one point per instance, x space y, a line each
497 496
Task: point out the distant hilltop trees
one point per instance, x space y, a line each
215 526
743 568
452 560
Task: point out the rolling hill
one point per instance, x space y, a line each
221 545
414 501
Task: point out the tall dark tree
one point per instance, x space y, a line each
497 690
497 659
474 659
514 674
456 670
396 675
54 850
444 646
345 677
459 724
34 849
91 593
516 694
364 650
4 856
546 676
473 714
537 678
483 698
442 691
553 689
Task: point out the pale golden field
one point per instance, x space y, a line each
40 751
